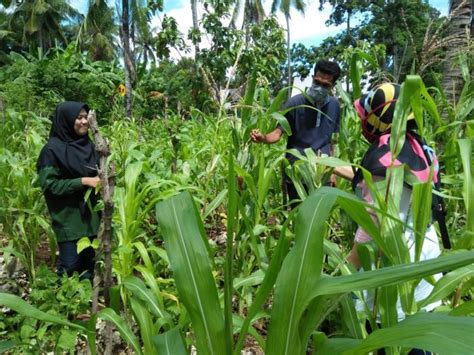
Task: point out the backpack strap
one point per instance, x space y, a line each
437 204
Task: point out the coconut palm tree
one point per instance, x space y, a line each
253 14
252 9
460 28
10 39
42 21
96 33
135 35
285 6
142 35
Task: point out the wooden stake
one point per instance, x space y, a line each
106 175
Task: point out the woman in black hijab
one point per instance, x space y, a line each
67 167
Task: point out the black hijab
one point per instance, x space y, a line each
73 155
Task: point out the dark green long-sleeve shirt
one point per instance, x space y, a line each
72 217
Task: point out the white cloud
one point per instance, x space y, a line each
310 26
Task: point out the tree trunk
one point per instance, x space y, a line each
349 39
246 23
195 25
460 27
41 41
288 47
395 62
235 15
127 56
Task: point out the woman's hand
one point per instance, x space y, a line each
90 181
345 172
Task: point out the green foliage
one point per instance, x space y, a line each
282 278
186 249
168 37
95 35
22 206
39 329
264 51
260 46
299 281
41 21
438 333
39 84
224 47
179 87
455 134
412 43
402 32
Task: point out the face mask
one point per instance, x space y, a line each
318 94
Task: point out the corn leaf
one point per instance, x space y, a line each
170 343
421 213
253 279
388 306
390 275
140 291
266 287
249 96
232 216
183 234
356 70
438 333
465 309
109 315
465 147
283 122
145 324
350 319
303 263
409 89
448 283
150 280
278 101
394 233
215 203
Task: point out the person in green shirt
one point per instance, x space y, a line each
67 168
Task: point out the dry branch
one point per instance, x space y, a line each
106 175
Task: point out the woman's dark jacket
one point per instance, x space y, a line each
63 161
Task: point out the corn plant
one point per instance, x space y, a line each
293 333
456 132
300 288
22 214
277 267
188 254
